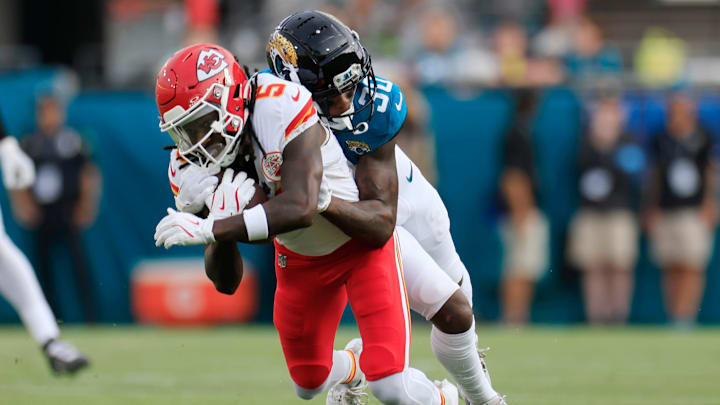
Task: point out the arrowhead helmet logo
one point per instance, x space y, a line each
209 63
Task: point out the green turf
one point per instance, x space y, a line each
244 365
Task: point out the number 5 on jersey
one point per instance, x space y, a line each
271 90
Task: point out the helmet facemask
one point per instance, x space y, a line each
206 134
349 80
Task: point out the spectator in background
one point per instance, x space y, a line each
555 40
660 58
682 208
515 67
63 201
524 232
603 235
592 60
511 44
202 19
526 12
444 59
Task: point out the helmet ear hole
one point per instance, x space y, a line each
236 94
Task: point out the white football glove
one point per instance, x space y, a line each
194 185
232 195
183 229
325 195
17 168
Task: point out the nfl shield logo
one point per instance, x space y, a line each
282 261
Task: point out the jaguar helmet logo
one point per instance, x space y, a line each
358 147
283 57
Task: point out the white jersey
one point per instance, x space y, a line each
283 110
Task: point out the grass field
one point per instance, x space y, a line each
244 365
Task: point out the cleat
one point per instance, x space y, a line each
448 392
64 358
352 392
498 400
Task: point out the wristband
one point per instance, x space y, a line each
256 223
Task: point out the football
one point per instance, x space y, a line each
258 198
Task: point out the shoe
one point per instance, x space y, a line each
64 358
448 391
498 400
353 392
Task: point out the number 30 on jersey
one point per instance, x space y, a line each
384 88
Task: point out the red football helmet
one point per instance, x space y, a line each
200 94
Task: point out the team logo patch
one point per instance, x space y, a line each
282 261
358 147
209 63
271 163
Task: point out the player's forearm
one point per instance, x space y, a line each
710 183
223 265
370 221
286 212
296 206
90 186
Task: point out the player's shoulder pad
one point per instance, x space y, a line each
280 93
283 107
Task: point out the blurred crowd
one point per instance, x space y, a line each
425 42
625 184
666 187
421 42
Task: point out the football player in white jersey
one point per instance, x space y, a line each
210 109
18 283
366 112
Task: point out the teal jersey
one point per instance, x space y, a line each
388 116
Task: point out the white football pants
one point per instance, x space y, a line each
20 287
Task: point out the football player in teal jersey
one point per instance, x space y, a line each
366 112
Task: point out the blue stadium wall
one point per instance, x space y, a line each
122 129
